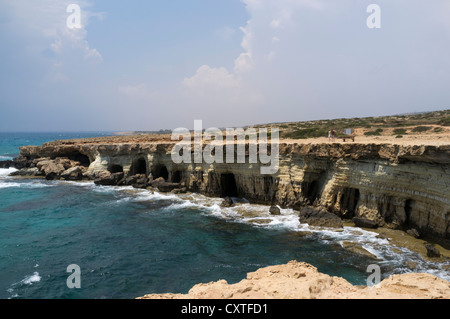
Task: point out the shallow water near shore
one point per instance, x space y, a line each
130 242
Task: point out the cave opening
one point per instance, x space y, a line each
139 166
116 169
349 201
76 156
177 176
160 171
228 185
408 210
311 191
312 185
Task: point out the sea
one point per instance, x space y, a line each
129 242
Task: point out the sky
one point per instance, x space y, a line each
161 64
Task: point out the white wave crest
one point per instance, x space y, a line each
4 172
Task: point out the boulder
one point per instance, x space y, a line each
364 222
227 202
73 174
159 180
319 216
166 187
128 181
432 251
141 181
275 210
54 168
105 178
50 168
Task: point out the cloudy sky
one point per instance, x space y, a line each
161 64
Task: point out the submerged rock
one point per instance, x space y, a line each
227 202
358 249
432 251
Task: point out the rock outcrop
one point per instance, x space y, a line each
320 217
396 186
297 280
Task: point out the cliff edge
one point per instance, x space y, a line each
299 280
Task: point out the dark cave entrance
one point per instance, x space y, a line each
349 201
160 171
311 190
76 156
177 176
408 210
228 185
139 166
116 169
312 185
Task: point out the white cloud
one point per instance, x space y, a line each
321 57
44 24
311 59
211 78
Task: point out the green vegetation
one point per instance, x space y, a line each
399 131
374 125
308 132
445 121
377 132
419 129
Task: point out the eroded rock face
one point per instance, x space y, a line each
399 186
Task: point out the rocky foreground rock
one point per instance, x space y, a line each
299 280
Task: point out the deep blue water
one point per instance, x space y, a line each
128 242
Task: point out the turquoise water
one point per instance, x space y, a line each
10 142
130 242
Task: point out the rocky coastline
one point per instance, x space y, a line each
391 189
404 187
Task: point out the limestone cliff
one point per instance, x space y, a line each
400 186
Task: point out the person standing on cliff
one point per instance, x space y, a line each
329 135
